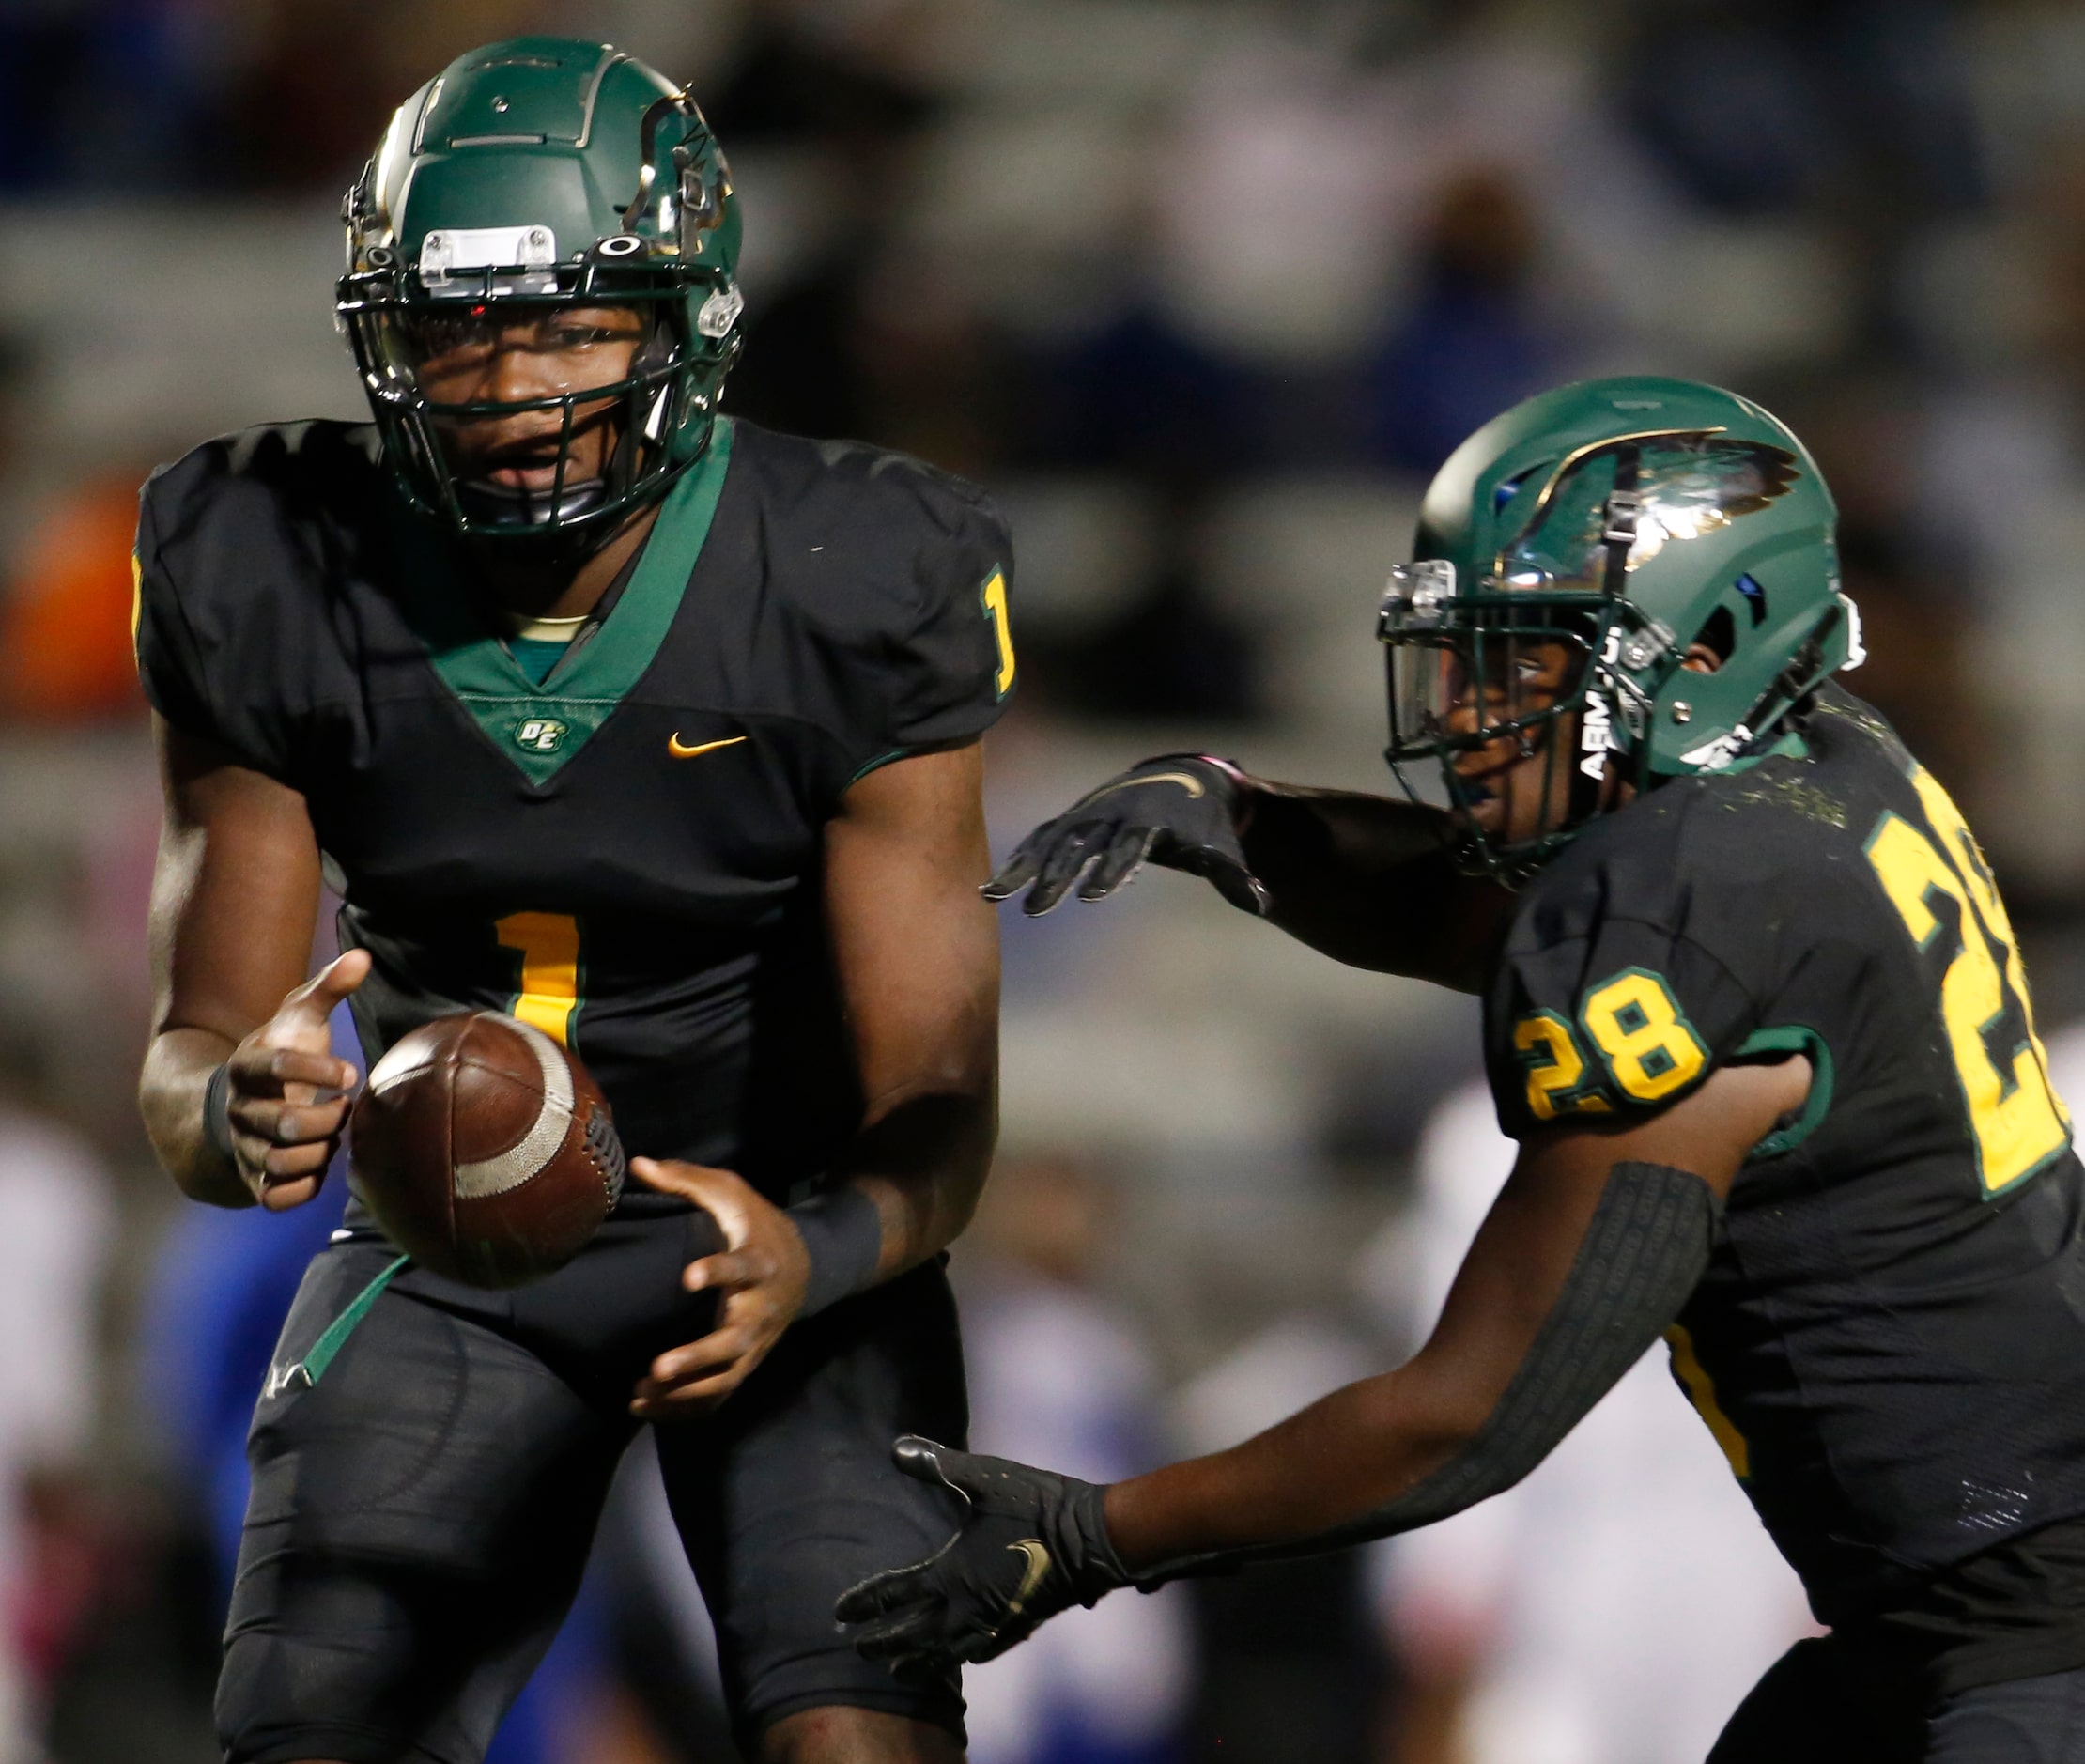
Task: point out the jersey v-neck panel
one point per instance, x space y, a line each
540 727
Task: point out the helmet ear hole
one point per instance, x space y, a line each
1719 632
1511 488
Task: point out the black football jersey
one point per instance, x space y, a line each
1890 1344
627 855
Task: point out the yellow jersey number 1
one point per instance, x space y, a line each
2014 1117
992 598
548 998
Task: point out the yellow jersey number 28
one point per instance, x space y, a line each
2018 1123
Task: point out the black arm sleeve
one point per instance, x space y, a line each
1643 1252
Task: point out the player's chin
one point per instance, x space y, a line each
1479 810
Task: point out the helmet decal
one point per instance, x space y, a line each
1687 486
1703 484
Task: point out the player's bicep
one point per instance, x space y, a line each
1611 1024
915 945
235 890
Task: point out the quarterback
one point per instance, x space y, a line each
658 731
1756 1017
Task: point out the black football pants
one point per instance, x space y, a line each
422 1512
1818 1704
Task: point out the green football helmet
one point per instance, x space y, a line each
529 175
1567 556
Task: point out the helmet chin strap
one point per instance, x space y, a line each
516 506
1624 504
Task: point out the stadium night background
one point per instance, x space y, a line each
1202 292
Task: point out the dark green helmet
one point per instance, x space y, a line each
1624 519
545 173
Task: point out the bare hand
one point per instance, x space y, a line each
761 1274
289 1094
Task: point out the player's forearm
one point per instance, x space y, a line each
170 1095
1581 1266
1313 1477
922 1163
1370 881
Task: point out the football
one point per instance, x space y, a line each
486 1150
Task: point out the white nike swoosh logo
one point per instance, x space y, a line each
284 1379
681 750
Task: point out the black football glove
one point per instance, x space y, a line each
1177 810
1033 1543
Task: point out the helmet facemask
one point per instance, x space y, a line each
1548 655
620 402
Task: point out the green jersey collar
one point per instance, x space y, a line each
541 726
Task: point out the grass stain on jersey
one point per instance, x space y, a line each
1789 790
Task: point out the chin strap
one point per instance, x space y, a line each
1624 506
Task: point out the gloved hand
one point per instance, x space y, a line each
1033 1543
1177 810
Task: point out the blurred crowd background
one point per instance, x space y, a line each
1203 290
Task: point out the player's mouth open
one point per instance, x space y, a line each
528 463
538 474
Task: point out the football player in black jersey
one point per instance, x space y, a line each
1756 1018
660 732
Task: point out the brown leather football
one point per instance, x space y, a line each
485 1150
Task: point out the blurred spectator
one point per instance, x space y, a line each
56 1232
65 624
1616 1606
1859 110
1764 104
1142 395
1917 614
1164 647
844 76
1292 1663
1473 340
1058 1373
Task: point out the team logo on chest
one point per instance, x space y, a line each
540 734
